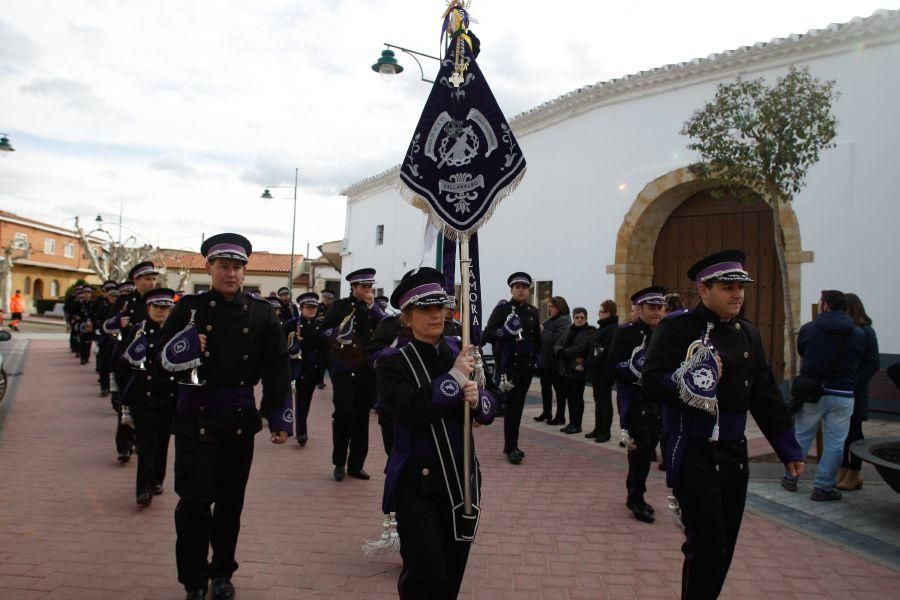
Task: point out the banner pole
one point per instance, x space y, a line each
465 302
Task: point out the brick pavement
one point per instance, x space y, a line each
553 528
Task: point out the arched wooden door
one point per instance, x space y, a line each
38 289
702 225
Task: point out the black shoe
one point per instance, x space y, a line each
302 439
592 434
570 429
198 594
541 417
157 489
823 495
789 484
144 499
602 438
339 473
321 386
358 474
521 452
514 457
222 589
124 457
640 512
649 509
104 393
556 421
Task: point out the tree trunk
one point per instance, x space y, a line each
91 253
775 203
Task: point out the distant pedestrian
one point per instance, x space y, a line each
601 382
849 475
571 352
16 308
552 329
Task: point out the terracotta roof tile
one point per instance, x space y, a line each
260 261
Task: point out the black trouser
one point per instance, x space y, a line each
851 461
574 397
712 496
603 410
643 430
433 561
73 339
353 399
103 380
152 427
209 472
551 382
520 377
84 347
124 434
303 396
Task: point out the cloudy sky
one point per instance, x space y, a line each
182 111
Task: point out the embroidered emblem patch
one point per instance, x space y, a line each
288 415
449 388
704 378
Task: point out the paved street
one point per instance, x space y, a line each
553 528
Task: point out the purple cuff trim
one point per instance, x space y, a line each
487 407
719 267
787 447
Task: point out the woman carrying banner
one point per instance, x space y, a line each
423 387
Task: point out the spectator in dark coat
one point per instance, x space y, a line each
849 476
571 352
597 370
831 348
551 381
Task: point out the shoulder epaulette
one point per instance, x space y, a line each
679 313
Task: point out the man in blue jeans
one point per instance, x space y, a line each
831 347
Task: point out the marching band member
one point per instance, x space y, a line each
707 368
103 309
348 326
514 331
150 394
304 344
626 357
422 386
229 341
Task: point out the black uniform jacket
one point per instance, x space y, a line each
747 384
350 356
311 344
154 387
525 352
244 343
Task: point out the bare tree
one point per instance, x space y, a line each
13 251
760 141
114 259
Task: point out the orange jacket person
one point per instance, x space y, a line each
16 307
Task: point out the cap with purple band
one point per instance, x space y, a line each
161 297
141 269
650 295
519 277
421 287
230 246
362 276
726 266
310 298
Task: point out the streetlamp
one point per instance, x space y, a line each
387 64
5 145
267 195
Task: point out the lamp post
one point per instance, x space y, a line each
267 195
5 145
387 66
